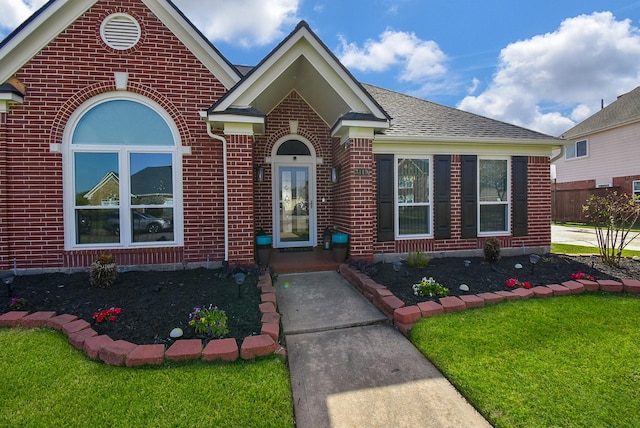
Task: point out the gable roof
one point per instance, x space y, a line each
415 118
624 111
302 62
56 15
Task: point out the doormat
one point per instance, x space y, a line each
295 249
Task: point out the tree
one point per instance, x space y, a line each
613 215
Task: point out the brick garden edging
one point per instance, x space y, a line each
123 353
404 317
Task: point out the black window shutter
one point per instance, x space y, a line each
385 187
469 196
442 195
520 196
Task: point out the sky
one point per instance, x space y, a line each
545 65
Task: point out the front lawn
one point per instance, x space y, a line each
564 361
47 382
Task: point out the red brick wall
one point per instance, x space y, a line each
359 191
576 185
539 213
240 190
625 183
313 129
75 66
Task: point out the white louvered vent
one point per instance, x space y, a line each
120 31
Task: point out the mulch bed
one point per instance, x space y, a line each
482 277
152 302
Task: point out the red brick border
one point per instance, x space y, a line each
122 353
404 317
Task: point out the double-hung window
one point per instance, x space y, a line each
413 206
636 189
576 150
493 192
121 176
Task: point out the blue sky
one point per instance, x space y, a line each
545 65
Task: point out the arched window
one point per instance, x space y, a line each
121 175
293 148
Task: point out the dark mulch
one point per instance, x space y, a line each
482 277
152 302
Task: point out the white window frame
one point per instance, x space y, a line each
574 147
397 204
634 192
125 206
506 232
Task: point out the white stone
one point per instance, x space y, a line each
464 287
636 259
175 333
518 266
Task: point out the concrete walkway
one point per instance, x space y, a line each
350 368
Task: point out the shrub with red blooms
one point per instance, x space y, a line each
110 314
514 283
582 275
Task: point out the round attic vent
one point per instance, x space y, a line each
120 31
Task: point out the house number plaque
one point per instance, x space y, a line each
361 172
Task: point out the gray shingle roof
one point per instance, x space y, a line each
626 109
415 117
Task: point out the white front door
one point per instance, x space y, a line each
294 205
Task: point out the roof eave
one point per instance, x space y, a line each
589 132
553 142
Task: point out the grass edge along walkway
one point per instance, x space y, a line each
47 382
563 361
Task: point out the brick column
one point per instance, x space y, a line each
240 199
360 187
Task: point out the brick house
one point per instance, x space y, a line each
114 88
599 157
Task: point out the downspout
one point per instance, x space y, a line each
558 156
225 191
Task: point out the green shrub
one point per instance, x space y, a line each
417 259
103 271
492 250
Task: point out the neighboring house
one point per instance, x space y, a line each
601 155
291 146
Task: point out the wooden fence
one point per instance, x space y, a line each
566 205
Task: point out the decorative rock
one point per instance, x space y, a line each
518 266
636 258
176 332
464 287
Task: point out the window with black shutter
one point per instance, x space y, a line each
469 196
442 196
385 192
520 196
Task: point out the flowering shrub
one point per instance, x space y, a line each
110 314
582 275
17 303
514 283
429 287
209 322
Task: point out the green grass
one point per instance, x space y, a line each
46 382
565 361
585 249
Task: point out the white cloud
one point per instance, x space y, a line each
419 60
552 81
15 12
241 22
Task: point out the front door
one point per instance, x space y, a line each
295 212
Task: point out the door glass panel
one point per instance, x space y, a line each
294 204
